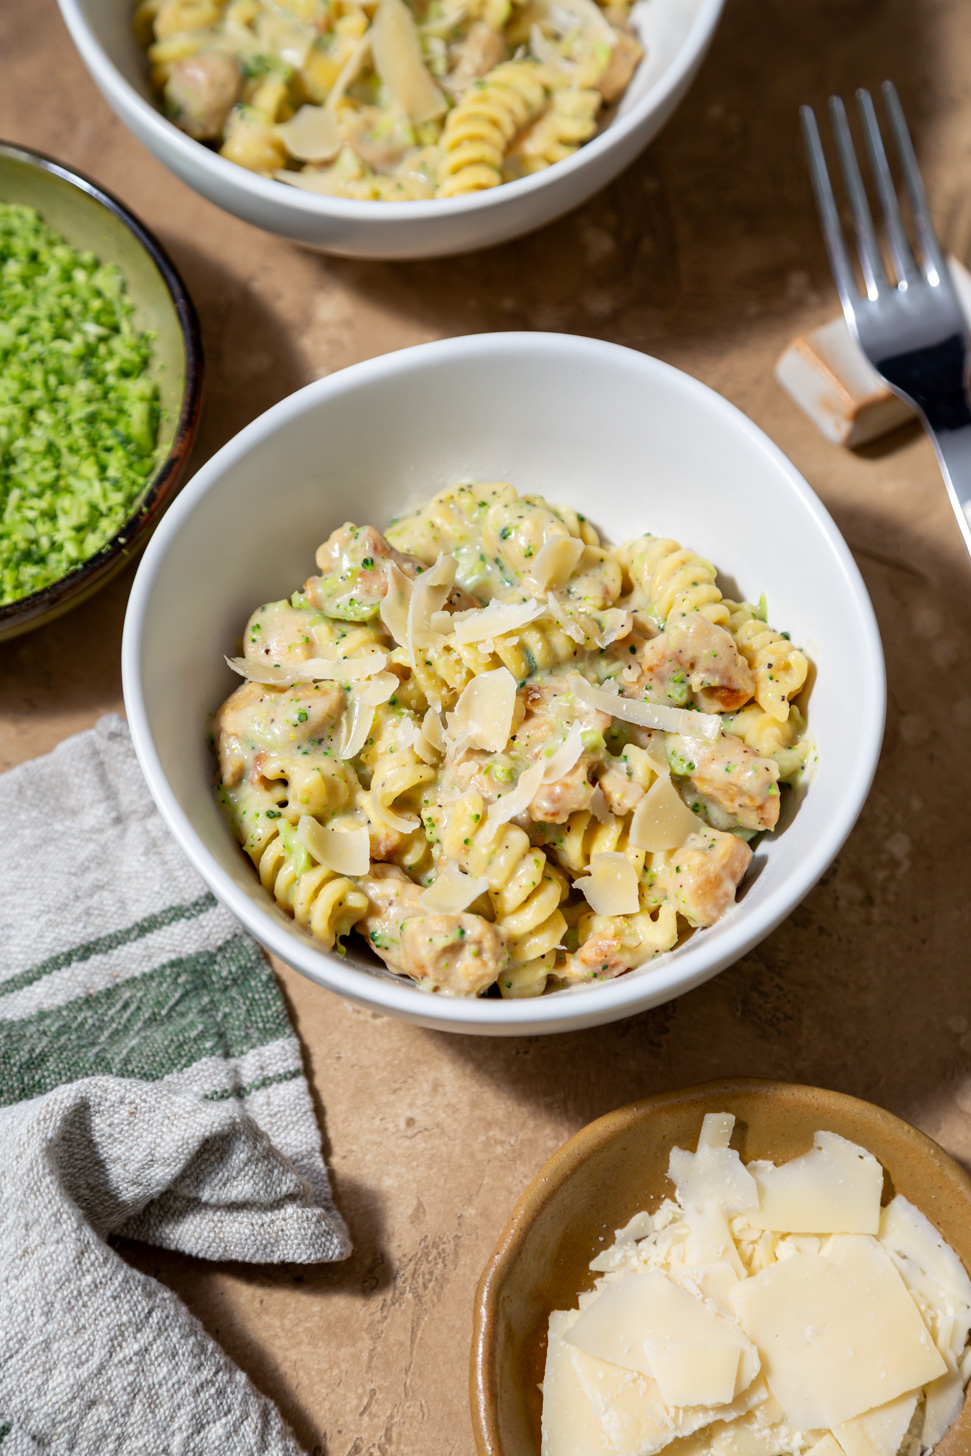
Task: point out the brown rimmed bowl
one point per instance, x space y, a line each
617 1166
91 219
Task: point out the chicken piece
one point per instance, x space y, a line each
379 143
477 53
201 91
694 657
624 60
353 563
280 633
457 955
554 802
259 719
621 792
701 877
734 777
604 955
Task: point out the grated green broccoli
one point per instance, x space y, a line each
78 416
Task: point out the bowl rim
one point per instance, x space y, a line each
589 1005
91 572
309 204
558 1168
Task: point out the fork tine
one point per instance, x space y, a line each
839 259
903 260
866 239
933 257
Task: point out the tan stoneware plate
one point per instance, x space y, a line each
93 220
616 1166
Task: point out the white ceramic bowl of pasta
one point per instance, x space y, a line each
675 33
637 446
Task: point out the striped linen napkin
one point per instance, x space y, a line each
150 1085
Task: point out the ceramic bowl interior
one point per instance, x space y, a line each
675 33
91 219
637 446
617 1166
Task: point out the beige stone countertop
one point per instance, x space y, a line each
707 254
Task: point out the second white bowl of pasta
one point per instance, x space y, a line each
492 743
386 129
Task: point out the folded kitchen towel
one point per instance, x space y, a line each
151 1086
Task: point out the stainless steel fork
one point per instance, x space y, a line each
912 329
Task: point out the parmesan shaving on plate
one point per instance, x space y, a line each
395 603
563 758
554 563
518 800
378 690
430 737
711 1325
648 715
616 625
429 594
453 891
662 820
611 886
494 620
399 63
315 669
345 851
311 135
346 77
404 823
355 727
483 713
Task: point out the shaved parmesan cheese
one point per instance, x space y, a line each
839 1342
483 713
431 726
881 1432
689 1373
315 669
395 603
716 1130
618 1324
494 620
834 1189
905 1230
945 1398
429 594
555 562
345 851
839 1331
311 135
590 16
712 1175
563 758
399 63
518 800
616 624
662 820
379 689
404 823
611 887
347 75
453 891
648 715
599 807
355 726
429 740
575 624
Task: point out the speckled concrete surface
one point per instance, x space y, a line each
707 254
